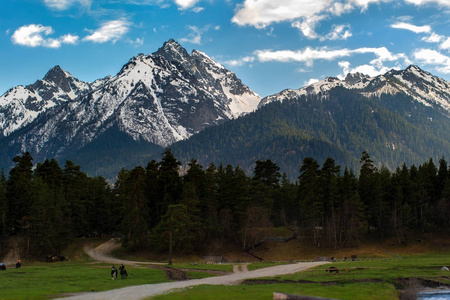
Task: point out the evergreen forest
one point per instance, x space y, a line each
163 204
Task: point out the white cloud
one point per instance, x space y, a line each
197 9
36 35
31 35
433 38
195 36
264 12
308 26
433 57
370 70
241 61
65 4
338 8
424 2
366 69
260 13
185 4
339 32
413 28
311 81
110 31
365 3
445 45
69 39
345 65
309 55
137 42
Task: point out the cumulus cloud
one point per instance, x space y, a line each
433 57
31 35
185 4
411 27
36 35
366 69
69 39
423 2
339 32
264 12
311 81
110 31
446 44
433 38
308 26
65 4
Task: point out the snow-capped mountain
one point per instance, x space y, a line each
159 98
413 81
20 105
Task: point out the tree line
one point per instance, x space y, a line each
185 208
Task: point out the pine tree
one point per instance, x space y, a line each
18 192
169 182
309 199
76 195
136 210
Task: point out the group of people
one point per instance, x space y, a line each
123 272
3 266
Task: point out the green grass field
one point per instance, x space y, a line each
374 279
363 279
377 279
50 280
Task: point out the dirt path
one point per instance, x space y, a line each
101 253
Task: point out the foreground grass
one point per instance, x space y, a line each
367 291
52 280
377 279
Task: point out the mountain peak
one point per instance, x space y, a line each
172 51
54 73
353 78
59 77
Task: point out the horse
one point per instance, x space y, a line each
332 269
114 274
123 273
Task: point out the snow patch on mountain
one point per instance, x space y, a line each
423 87
161 98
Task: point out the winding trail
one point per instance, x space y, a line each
143 291
102 253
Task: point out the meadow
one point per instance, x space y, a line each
364 279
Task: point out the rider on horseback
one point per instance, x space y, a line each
123 272
114 272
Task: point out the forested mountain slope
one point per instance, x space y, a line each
340 123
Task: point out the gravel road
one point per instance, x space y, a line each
143 291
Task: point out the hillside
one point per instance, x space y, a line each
394 129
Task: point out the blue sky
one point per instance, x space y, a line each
270 45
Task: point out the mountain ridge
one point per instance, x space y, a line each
171 98
422 86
